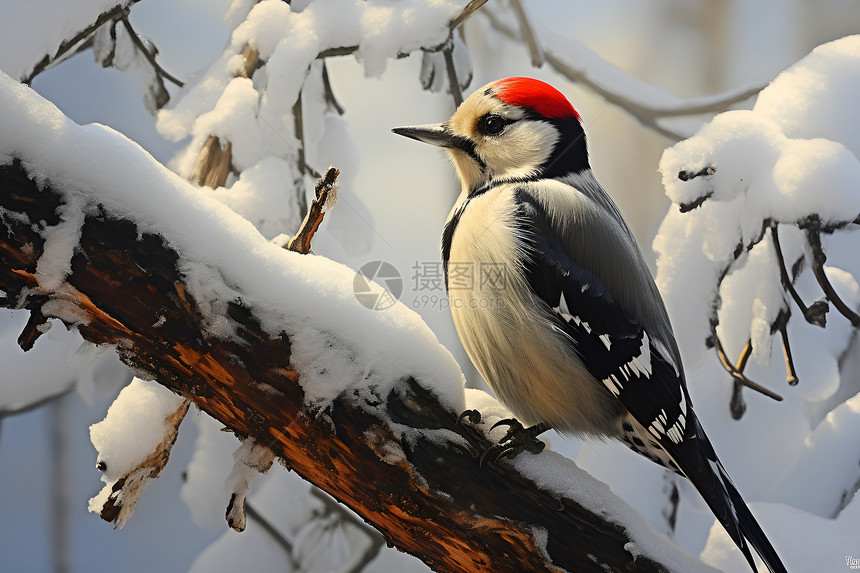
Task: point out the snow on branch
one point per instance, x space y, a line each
274 345
762 195
134 442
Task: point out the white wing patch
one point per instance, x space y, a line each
613 384
604 338
564 311
675 432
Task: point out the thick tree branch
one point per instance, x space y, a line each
425 494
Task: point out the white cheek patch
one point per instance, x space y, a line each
520 150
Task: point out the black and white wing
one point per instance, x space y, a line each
630 357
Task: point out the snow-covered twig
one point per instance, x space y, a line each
70 46
214 160
134 442
250 458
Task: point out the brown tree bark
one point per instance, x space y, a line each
431 499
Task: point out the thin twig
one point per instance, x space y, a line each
818 260
38 403
377 541
527 34
816 313
276 535
299 131
326 192
737 406
328 93
453 80
739 376
150 57
470 9
791 373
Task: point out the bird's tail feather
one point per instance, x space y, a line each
730 508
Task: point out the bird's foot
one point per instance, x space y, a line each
516 440
473 416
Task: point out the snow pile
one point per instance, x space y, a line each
133 427
133 442
792 161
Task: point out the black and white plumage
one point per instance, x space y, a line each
576 335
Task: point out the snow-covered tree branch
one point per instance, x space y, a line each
274 347
273 344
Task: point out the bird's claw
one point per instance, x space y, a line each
516 440
473 416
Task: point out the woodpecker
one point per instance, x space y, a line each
573 333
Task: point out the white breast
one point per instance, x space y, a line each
507 332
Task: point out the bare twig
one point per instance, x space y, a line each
150 57
328 93
453 80
276 535
38 403
739 376
737 406
791 373
816 313
377 541
818 260
299 131
527 34
326 193
470 9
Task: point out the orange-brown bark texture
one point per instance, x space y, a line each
430 498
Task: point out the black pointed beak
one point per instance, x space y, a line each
435 134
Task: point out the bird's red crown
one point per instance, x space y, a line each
543 98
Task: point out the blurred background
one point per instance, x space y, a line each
687 48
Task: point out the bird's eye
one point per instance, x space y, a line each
492 124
